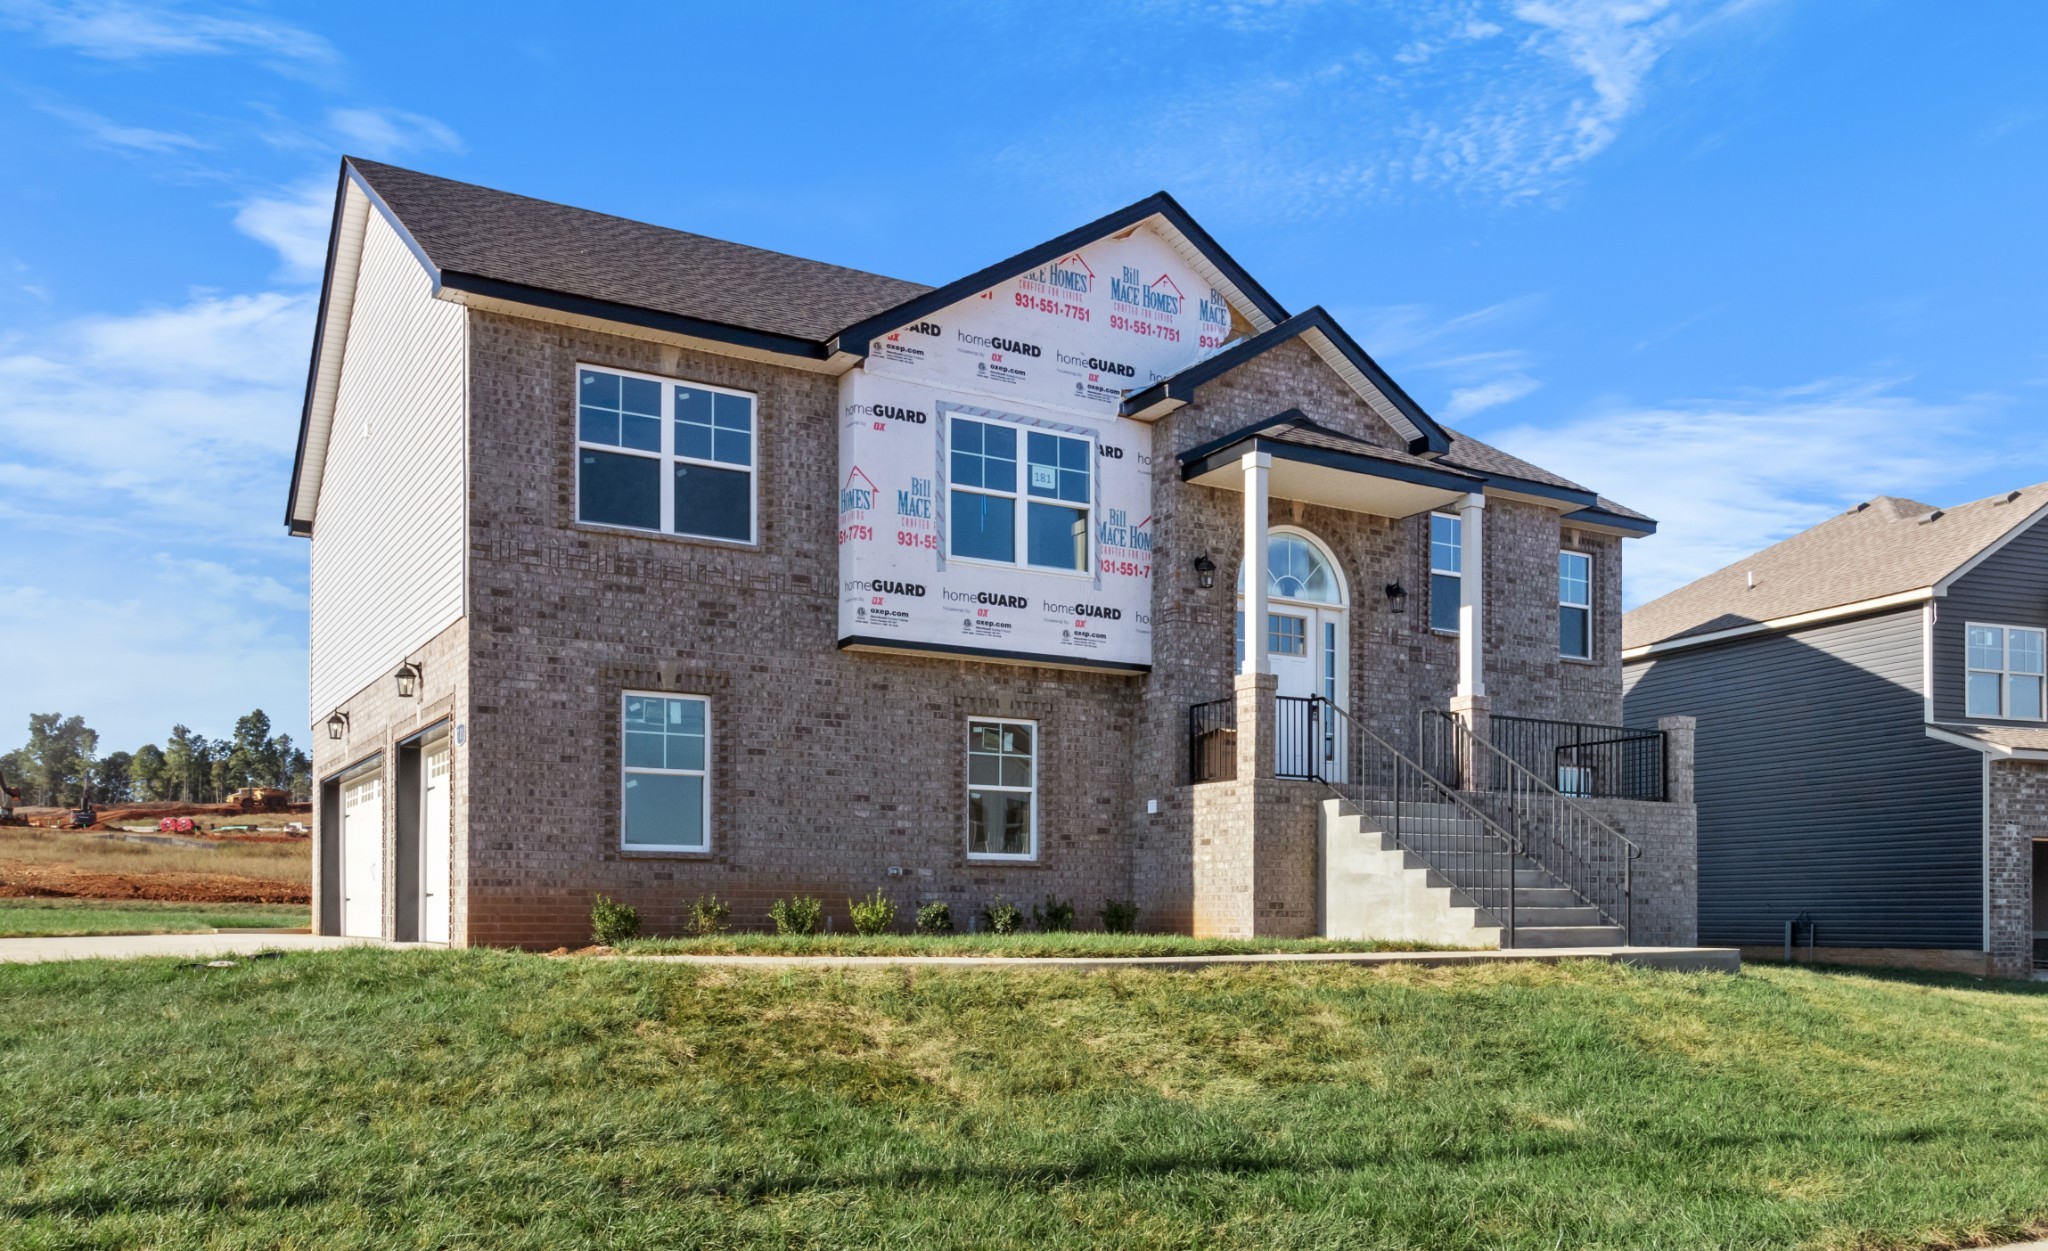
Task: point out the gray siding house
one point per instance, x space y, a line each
1873 734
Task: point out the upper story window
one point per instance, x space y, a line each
1041 507
2006 672
1575 605
673 457
1446 571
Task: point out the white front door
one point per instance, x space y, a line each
362 858
435 845
1304 647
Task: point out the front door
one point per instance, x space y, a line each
435 847
1306 645
362 858
1290 650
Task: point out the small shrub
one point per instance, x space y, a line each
935 918
804 914
1119 916
1057 917
708 916
876 915
612 922
1003 918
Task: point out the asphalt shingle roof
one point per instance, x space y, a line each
1884 546
536 243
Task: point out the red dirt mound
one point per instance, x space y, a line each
33 881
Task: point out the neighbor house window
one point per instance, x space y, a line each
1446 571
1039 508
667 779
654 454
1002 789
2005 672
1575 605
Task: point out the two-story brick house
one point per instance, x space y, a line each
653 565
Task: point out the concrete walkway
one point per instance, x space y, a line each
188 946
1680 959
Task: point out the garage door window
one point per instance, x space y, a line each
667 740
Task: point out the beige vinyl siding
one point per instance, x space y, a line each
387 563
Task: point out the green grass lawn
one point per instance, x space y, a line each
369 1098
36 918
1051 945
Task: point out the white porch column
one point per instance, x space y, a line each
1256 467
1471 597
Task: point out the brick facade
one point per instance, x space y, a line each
2017 812
835 773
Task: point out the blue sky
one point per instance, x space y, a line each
1736 264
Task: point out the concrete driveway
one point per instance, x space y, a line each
187 946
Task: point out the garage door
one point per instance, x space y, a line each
362 858
435 848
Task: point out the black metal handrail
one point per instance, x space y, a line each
1561 836
1212 741
1586 761
1432 820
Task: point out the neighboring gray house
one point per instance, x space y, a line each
1873 733
649 564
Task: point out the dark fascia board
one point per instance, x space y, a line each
292 524
854 339
1217 453
991 653
1612 521
1586 500
1182 386
632 315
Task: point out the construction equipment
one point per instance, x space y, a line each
260 799
9 796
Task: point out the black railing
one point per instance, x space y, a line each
1560 836
1212 741
1299 738
1585 761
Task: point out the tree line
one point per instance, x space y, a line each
60 765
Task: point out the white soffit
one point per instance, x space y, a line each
341 298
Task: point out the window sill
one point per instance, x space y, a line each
662 536
1015 862
1009 566
1578 660
663 853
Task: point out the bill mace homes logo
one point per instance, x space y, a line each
1069 274
1157 296
858 495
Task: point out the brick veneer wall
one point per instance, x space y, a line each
2018 811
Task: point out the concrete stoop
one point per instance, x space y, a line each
1372 888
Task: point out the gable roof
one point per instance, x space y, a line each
1292 433
1881 549
1337 348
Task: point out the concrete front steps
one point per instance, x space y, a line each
1372 888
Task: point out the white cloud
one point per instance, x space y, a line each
392 132
118 31
1725 478
113 134
1466 401
296 223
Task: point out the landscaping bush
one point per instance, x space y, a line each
1057 917
1119 916
709 915
935 918
612 922
876 915
804 914
1003 918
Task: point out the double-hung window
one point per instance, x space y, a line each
1002 789
1575 605
667 777
1446 571
673 457
1040 507
2006 672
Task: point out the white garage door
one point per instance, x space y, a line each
435 847
362 858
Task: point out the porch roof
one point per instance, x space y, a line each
1317 465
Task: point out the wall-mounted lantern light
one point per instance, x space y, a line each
1397 598
1205 571
408 677
337 726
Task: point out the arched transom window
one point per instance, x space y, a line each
1296 569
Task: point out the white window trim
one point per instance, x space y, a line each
967 829
626 770
1020 519
2005 673
1563 603
670 458
1429 553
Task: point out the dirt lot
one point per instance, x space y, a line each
264 866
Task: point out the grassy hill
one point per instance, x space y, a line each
366 1098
